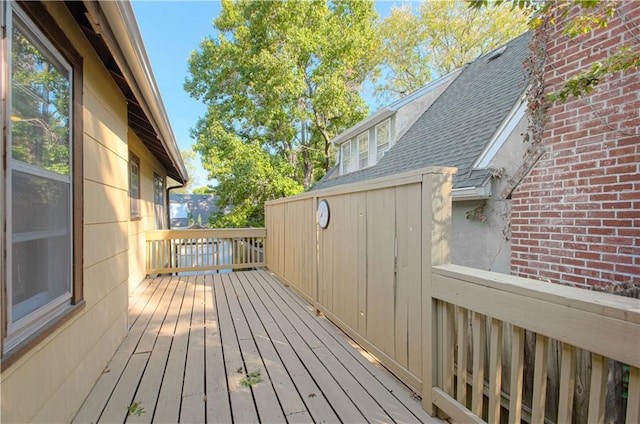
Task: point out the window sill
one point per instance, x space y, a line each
10 357
135 218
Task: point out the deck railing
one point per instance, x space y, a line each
171 251
381 272
482 318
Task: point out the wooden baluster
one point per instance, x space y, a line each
463 348
495 371
633 397
598 389
448 346
567 383
540 379
517 375
479 336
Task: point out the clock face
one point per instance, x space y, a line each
323 214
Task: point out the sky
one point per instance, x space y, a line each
171 30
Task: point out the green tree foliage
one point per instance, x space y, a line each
280 80
442 36
208 189
40 107
190 159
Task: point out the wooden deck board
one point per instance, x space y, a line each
382 385
194 338
242 405
316 404
284 388
217 391
167 408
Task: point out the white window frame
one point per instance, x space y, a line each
136 212
362 139
380 154
345 168
19 330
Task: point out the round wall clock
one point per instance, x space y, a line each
323 214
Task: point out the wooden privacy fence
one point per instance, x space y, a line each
204 250
381 272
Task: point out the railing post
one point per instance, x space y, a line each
436 231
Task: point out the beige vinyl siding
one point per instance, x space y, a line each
50 381
146 221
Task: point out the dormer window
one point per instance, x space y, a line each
383 139
345 158
363 150
366 149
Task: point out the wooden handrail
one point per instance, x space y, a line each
206 233
171 251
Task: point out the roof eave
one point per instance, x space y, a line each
125 42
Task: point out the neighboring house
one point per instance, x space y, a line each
476 123
187 207
88 150
576 213
365 144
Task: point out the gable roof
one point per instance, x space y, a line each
458 126
387 111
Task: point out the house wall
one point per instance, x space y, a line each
486 244
137 227
575 215
481 244
51 380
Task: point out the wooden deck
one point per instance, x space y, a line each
194 339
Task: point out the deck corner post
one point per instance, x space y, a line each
436 234
316 255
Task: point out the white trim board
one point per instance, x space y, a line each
502 134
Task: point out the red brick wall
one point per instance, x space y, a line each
576 216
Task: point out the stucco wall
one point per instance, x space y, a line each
50 382
486 244
137 250
478 244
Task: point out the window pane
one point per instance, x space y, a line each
363 150
382 139
134 186
39 204
346 157
41 243
41 273
40 115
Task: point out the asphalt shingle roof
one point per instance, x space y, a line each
458 126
